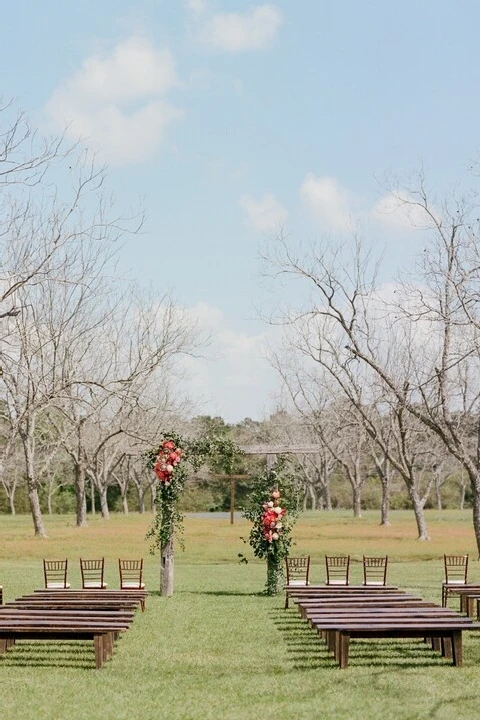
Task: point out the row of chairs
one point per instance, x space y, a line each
92 572
337 569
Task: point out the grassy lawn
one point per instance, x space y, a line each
219 649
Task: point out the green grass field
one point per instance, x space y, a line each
218 648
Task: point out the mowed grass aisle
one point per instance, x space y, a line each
218 648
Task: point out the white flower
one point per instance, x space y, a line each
279 525
275 536
278 510
270 504
169 468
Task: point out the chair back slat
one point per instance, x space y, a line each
375 570
131 572
92 572
338 569
297 570
456 568
55 574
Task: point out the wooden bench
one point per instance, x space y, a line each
139 596
102 633
346 614
338 633
65 614
335 590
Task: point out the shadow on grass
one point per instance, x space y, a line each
62 655
309 651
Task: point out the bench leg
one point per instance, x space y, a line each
344 648
447 649
98 643
3 646
457 648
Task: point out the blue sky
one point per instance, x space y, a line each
228 119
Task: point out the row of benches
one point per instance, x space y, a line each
340 614
98 615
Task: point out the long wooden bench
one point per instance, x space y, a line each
341 616
58 615
134 594
102 633
335 590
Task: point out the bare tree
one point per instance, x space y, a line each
432 322
52 312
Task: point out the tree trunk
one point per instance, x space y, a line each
80 494
385 506
328 497
92 496
475 482
166 569
419 513
438 491
102 492
32 485
357 501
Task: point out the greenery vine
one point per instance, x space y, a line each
273 512
172 462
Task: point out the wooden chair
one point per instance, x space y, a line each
131 573
297 573
55 574
297 570
92 574
456 573
338 569
375 570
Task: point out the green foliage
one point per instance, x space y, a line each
275 492
168 520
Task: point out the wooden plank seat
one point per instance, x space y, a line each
339 618
468 596
86 604
448 631
335 590
63 614
125 597
101 632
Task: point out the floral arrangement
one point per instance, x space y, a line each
171 462
270 536
168 457
271 518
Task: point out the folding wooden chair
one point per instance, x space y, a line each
338 569
92 574
55 574
375 570
456 572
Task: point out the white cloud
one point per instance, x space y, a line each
232 32
400 212
328 201
196 6
266 215
235 381
116 102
